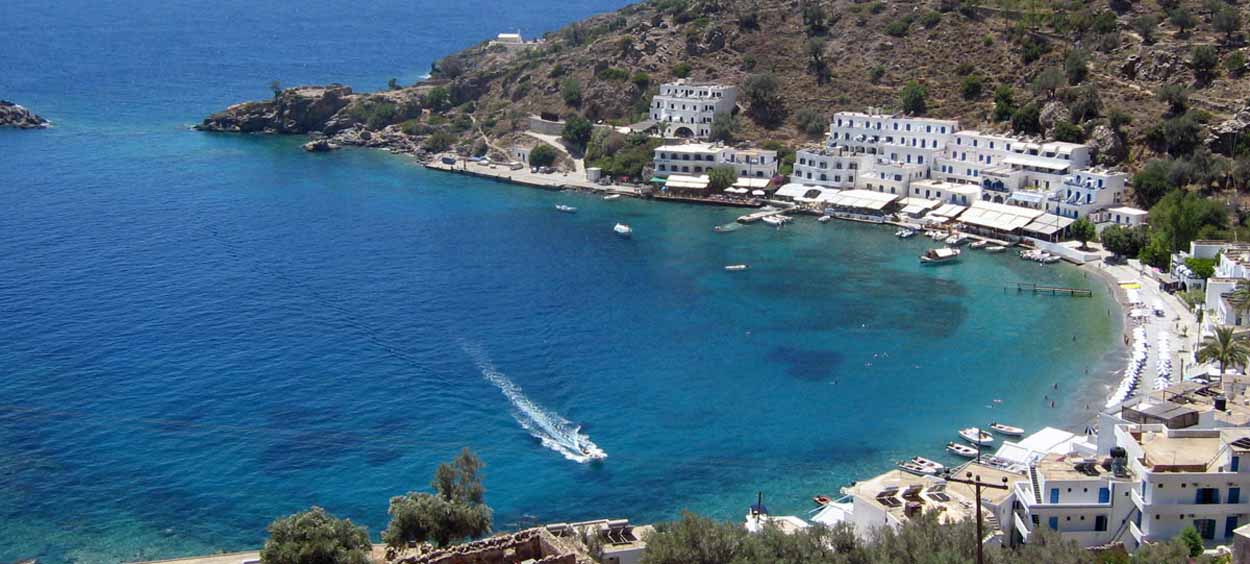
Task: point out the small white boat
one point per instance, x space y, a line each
737 267
939 256
565 209
623 230
979 244
612 197
963 450
824 218
920 466
956 239
904 233
774 220
1007 430
976 436
1051 259
995 249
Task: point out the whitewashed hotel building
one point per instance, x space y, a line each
686 108
871 151
701 158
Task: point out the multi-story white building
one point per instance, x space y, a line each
1232 266
686 108
701 158
871 151
832 166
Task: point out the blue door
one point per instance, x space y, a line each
1229 525
1054 495
1054 523
1236 462
1234 495
1104 495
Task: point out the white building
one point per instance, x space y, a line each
1233 266
686 108
701 158
832 167
892 498
871 151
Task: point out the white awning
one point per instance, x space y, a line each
748 182
1036 162
683 182
863 199
949 210
1049 224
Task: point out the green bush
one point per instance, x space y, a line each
724 128
912 98
613 73
1068 132
576 132
811 121
1026 120
1004 102
1076 66
571 91
930 19
438 142
1204 62
898 28
1235 63
721 177
438 99
971 87
543 155
681 70
875 74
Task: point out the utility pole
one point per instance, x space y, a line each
977 484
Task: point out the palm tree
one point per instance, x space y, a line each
1225 347
1239 298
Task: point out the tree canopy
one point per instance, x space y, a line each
543 155
456 511
912 97
722 177
576 132
315 537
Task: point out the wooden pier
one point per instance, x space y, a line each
1022 287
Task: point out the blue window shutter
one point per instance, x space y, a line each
1104 495
1236 462
1234 495
1054 495
1054 523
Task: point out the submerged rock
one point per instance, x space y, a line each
319 146
13 115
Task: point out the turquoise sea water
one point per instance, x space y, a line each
204 332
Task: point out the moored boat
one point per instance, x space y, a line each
566 209
963 450
775 220
623 230
1007 430
612 197
981 244
737 267
939 255
821 499
904 233
956 239
824 218
912 467
976 436
995 249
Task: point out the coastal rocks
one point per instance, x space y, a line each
1223 138
1107 146
320 146
294 110
13 115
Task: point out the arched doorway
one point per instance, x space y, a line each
684 132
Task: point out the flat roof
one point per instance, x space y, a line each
690 148
1037 161
1049 224
1001 217
958 504
1178 454
1059 467
863 199
1129 211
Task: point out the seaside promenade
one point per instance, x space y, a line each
523 175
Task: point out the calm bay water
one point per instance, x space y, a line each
204 332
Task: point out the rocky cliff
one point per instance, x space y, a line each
13 115
1069 66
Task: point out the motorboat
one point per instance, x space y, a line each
612 197
976 436
995 249
565 209
737 267
979 244
824 218
939 255
904 233
775 220
822 500
623 230
919 469
963 450
956 239
1051 259
1007 430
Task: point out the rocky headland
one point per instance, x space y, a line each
13 115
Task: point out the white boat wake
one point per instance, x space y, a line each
550 428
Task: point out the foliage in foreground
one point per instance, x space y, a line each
315 537
456 511
698 540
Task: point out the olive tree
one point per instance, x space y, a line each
456 510
315 537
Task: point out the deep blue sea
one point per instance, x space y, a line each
200 333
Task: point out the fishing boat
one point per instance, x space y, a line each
963 450
979 244
623 230
565 209
995 249
976 436
612 197
921 466
939 256
824 218
1007 430
737 267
